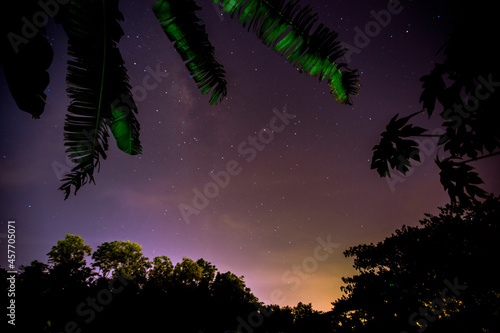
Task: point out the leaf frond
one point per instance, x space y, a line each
286 28
182 27
98 88
25 60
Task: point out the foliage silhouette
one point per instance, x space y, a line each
128 293
402 278
25 62
68 260
466 86
98 85
436 277
121 258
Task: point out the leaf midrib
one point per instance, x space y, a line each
101 88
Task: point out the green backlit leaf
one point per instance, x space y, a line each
286 27
185 30
124 127
98 88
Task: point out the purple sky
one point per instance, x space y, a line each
312 180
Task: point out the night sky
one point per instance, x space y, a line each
310 180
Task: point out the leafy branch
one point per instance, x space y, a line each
466 86
394 151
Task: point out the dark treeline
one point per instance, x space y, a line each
436 277
123 291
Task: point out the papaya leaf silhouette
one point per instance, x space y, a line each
433 85
465 85
460 181
394 151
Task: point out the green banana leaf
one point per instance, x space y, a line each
187 32
286 28
98 88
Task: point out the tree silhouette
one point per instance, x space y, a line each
187 272
32 299
130 293
438 277
466 86
306 319
208 272
98 85
190 296
161 275
68 259
232 299
123 258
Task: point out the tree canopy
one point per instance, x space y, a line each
121 258
127 292
68 259
438 277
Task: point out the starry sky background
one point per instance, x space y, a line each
312 180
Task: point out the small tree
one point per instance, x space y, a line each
187 272
161 274
68 259
121 258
